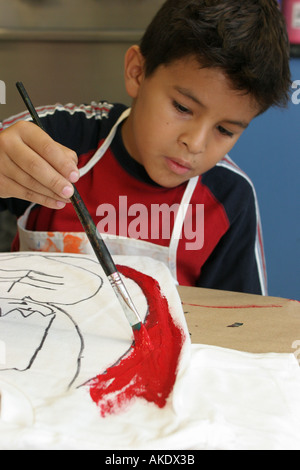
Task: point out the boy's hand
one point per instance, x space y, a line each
34 167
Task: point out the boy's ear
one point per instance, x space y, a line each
134 70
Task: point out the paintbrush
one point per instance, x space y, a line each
98 245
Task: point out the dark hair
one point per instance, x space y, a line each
247 39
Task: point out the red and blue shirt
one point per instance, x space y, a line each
231 256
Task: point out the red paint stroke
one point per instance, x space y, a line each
233 306
146 371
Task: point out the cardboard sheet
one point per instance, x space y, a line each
260 324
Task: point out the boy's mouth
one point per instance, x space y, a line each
179 167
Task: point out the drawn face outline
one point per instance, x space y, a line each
42 306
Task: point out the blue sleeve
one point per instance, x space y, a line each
234 265
16 206
237 262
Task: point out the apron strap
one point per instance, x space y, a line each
178 225
101 150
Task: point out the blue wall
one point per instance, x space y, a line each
269 152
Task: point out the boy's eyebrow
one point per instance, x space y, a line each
188 94
242 124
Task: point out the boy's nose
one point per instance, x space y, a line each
195 140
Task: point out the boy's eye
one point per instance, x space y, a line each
179 107
224 131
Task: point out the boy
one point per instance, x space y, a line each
158 176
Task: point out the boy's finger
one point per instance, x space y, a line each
55 171
62 159
29 195
12 173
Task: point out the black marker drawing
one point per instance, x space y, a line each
44 306
59 316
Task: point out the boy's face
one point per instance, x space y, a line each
184 119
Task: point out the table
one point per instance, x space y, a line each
244 322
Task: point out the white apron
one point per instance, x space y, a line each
118 245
